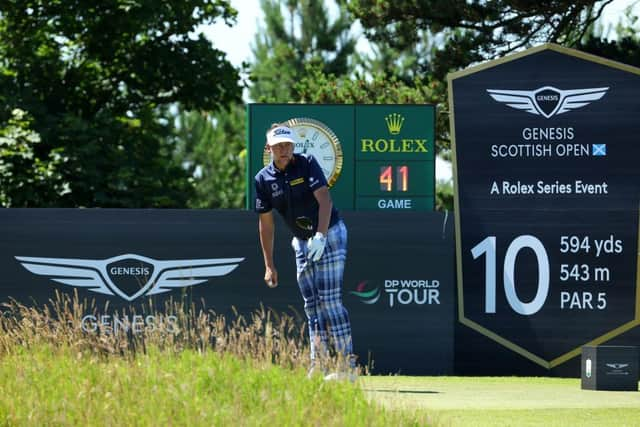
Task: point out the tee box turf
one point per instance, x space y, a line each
613 368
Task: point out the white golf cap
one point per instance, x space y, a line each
280 134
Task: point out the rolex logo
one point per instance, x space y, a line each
394 123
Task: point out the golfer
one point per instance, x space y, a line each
294 185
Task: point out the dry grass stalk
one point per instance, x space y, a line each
265 337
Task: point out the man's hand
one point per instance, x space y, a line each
271 277
316 246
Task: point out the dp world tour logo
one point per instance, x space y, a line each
401 292
548 101
129 276
366 296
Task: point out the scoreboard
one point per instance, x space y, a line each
375 157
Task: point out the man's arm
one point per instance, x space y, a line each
324 209
266 228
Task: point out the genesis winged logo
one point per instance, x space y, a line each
129 276
617 365
548 101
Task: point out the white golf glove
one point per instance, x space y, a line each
316 246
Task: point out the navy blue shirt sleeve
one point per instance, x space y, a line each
316 176
263 201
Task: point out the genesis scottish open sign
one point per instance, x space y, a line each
546 149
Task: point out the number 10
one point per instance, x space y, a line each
488 247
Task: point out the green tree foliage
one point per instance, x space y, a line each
475 30
26 179
212 149
97 77
620 42
380 88
287 44
625 50
318 87
402 63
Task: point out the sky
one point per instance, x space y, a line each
236 41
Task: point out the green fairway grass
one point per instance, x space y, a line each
505 401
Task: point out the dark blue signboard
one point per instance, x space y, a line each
547 192
398 281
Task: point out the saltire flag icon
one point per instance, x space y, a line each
599 149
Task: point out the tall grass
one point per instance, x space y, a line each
206 371
264 336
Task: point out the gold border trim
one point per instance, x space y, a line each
456 203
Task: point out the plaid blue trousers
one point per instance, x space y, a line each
321 288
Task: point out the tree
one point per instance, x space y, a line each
97 79
287 45
625 50
24 178
401 63
620 43
477 30
212 149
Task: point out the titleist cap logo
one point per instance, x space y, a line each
280 134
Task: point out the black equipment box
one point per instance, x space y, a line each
610 368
